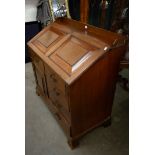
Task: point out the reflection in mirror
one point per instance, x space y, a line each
59 8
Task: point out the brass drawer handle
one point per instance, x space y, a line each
52 76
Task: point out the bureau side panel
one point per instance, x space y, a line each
91 96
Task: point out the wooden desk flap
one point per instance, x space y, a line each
67 50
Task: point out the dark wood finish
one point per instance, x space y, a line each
76 72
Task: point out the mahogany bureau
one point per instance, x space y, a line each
75 67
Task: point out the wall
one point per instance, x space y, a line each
30 10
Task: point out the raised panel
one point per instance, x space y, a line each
48 39
72 54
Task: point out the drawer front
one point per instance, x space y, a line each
63 123
59 97
59 101
62 109
54 79
56 90
37 61
60 118
40 80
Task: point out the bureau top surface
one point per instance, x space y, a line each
70 47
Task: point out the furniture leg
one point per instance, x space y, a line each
37 92
73 143
107 123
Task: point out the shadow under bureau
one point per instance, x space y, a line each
75 67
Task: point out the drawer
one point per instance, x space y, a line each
61 120
59 98
37 62
52 107
59 117
60 107
53 80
